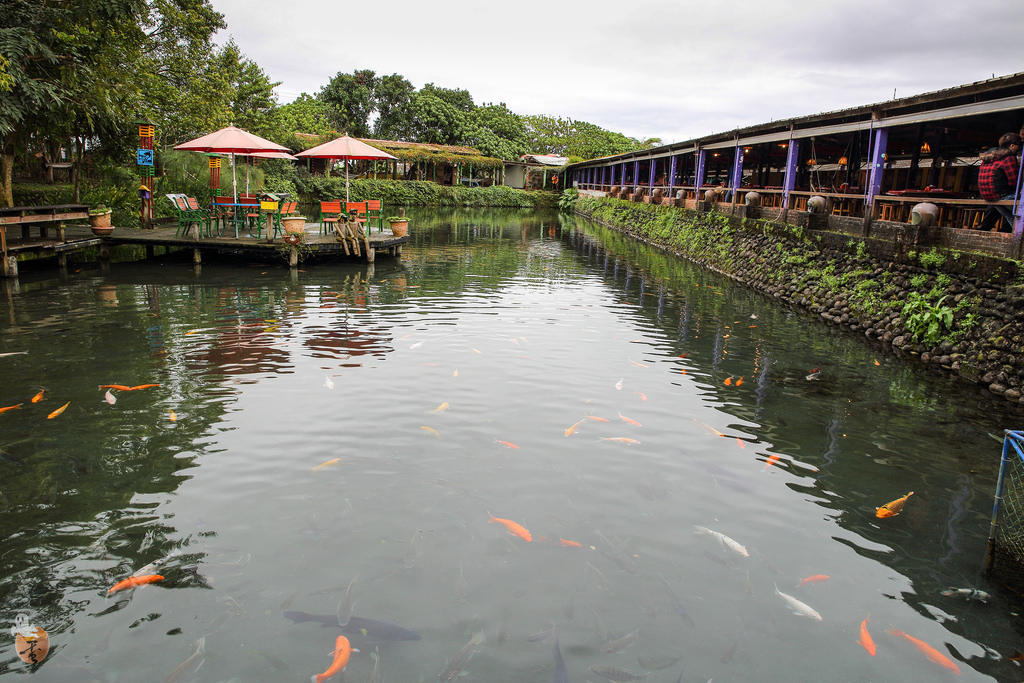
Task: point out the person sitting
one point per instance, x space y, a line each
997 180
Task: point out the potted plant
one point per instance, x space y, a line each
99 220
399 225
293 225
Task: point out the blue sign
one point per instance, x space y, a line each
145 157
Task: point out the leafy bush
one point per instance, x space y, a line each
926 321
567 200
317 188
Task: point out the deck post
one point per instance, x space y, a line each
792 157
698 178
197 256
737 172
10 264
62 262
673 167
651 176
636 175
370 254
293 257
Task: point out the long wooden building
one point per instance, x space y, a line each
873 162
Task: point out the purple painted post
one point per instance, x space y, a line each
622 172
636 173
612 169
698 179
650 183
673 167
792 155
1018 224
877 161
737 172
604 176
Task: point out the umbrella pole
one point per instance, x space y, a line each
346 181
234 184
247 175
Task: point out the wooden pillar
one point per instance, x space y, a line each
197 256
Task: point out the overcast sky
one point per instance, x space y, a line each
645 68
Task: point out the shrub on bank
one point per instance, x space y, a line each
312 189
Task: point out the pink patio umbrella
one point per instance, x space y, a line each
346 148
231 140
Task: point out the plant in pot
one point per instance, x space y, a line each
99 220
399 225
294 225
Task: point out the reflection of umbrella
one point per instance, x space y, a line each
345 148
231 140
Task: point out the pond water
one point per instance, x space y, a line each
338 438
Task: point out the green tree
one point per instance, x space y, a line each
246 93
497 132
349 98
392 100
305 114
436 121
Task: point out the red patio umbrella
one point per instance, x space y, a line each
231 140
346 148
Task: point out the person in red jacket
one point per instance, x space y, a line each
997 180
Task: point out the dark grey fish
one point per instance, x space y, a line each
729 653
13 459
455 666
614 673
620 644
561 673
677 604
656 663
542 636
190 666
357 627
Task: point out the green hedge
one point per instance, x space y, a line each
313 189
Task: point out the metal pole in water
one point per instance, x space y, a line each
998 502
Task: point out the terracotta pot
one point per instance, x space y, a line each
400 228
99 220
294 225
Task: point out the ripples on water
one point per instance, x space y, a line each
362 422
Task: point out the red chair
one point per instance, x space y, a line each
330 214
375 214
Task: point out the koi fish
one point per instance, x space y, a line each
876 362
513 528
328 382
865 640
927 650
134 581
620 439
629 421
798 608
572 430
119 387
569 544
814 374
141 386
109 397
969 593
507 444
614 673
190 666
639 365
728 381
342 651
38 397
893 507
739 382
455 372
682 371
173 417
431 430
14 407
772 459
622 643
618 385
595 418
739 441
327 463
346 604
441 408
58 411
725 540
682 355
708 427
454 667
813 579
475 350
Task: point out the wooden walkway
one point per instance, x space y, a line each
313 243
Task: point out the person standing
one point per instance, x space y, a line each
997 180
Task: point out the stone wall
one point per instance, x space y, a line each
887 285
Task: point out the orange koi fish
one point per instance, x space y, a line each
38 397
740 442
513 528
507 444
893 507
595 418
620 439
630 421
813 579
928 651
327 463
682 355
728 381
119 387
134 581
739 382
431 430
876 362
342 652
642 395
866 641
172 416
441 408
141 386
14 407
682 371
58 411
572 430
569 544
772 459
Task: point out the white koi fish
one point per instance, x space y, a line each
799 608
726 541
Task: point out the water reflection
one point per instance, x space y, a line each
264 491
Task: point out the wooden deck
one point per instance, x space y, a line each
313 243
